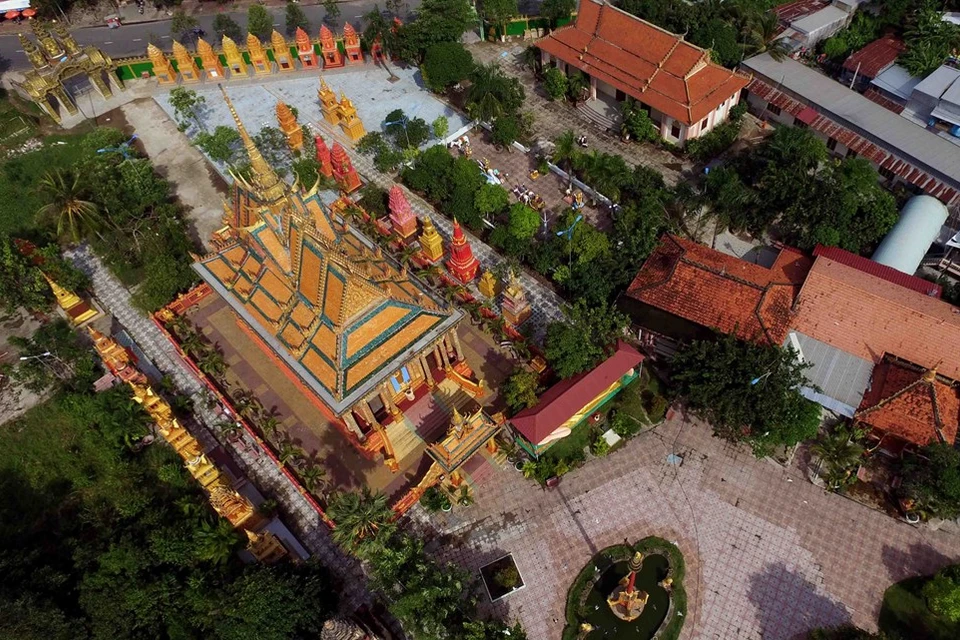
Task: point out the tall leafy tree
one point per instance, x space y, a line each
579 344
296 18
181 24
445 64
362 518
747 391
224 25
555 10
499 12
259 21
931 479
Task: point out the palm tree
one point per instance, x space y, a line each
565 152
840 453
362 518
764 36
288 452
212 364
483 103
230 429
180 326
430 273
215 543
313 477
73 214
269 425
193 344
406 254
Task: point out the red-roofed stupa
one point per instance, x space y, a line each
323 157
305 49
462 263
343 171
328 47
401 215
351 43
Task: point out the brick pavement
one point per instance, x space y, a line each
259 469
553 118
769 555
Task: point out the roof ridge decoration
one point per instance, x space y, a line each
930 381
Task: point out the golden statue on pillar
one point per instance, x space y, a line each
236 508
290 127
265 547
487 284
258 56
210 60
162 68
234 58
431 242
349 121
626 601
516 308
186 65
328 103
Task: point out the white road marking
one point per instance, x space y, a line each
19 50
137 39
165 36
276 24
108 42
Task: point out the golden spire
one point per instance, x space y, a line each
278 42
48 42
930 375
33 52
230 48
66 39
264 177
255 47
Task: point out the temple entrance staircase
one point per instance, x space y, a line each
602 113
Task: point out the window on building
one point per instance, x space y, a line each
799 124
851 153
886 173
703 125
832 144
774 109
675 130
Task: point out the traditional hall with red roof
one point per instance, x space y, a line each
683 91
876 338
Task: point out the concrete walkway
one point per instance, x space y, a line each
305 522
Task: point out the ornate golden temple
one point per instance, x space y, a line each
56 60
324 301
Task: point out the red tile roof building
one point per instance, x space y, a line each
868 317
567 403
711 289
626 56
874 58
889 274
910 405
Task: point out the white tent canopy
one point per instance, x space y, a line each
10 5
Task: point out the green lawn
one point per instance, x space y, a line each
904 614
573 445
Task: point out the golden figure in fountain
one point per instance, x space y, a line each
626 601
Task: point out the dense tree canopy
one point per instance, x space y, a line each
748 392
437 21
581 343
932 480
445 64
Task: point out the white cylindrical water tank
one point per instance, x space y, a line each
906 244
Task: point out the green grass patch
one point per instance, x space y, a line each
572 447
19 197
904 614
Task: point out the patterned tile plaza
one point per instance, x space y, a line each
769 555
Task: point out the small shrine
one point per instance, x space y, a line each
162 67
238 66
340 629
487 284
212 66
351 43
328 49
58 59
258 56
323 157
290 127
349 120
308 57
186 65
516 308
626 601
462 264
117 359
401 216
281 53
431 243
343 171
76 308
328 103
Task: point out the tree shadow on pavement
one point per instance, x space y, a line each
918 559
788 604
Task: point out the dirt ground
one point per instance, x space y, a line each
199 188
15 400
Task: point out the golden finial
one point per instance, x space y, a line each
931 374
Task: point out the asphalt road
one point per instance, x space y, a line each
132 39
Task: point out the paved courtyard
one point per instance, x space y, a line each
768 554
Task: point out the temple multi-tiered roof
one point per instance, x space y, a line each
323 297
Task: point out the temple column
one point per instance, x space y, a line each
351 423
456 479
426 370
367 413
387 399
492 446
442 350
452 334
61 94
593 88
101 86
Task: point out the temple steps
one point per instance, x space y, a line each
403 439
598 112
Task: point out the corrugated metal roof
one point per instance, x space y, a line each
840 376
875 57
889 274
882 127
898 81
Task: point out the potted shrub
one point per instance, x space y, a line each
465 498
434 500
